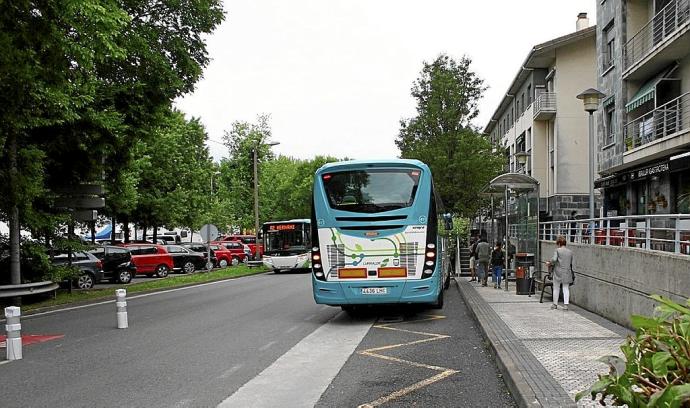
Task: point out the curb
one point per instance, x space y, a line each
526 378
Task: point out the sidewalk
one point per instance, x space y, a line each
546 356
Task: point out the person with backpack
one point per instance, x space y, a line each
498 259
483 259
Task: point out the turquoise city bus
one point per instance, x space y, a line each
286 245
375 235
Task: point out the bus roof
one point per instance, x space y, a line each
354 164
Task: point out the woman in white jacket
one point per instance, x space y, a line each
562 261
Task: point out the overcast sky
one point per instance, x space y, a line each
335 75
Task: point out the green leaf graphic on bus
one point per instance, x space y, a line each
385 262
358 247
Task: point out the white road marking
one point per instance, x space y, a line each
4 362
135 297
291 329
267 346
302 374
227 373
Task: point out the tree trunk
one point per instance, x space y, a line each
155 235
112 231
15 235
126 224
93 232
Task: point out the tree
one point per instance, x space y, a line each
441 135
238 169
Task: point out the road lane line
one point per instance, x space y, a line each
4 362
373 352
302 374
267 346
67 309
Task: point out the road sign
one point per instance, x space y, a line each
209 232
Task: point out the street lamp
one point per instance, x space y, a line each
521 158
591 98
256 194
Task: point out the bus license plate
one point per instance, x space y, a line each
374 291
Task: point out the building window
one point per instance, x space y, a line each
609 46
610 124
529 95
522 102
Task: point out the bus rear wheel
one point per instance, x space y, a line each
439 301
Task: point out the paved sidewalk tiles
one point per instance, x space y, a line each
547 356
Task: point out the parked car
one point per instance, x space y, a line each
151 259
91 268
202 249
186 260
117 263
230 252
249 240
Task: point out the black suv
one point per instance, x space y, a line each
117 263
91 268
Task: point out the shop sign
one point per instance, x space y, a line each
650 171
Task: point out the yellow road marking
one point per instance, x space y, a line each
372 352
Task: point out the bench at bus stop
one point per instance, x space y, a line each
542 281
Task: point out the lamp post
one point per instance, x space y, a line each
256 194
591 98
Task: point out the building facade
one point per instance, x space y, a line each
643 129
543 126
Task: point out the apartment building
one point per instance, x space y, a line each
543 126
643 131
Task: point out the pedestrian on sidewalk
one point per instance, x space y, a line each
562 262
473 259
498 259
483 259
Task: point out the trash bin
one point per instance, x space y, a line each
523 279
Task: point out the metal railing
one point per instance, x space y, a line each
667 119
669 233
661 26
545 102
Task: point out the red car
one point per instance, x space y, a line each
228 252
151 259
249 240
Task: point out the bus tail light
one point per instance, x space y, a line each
352 273
316 266
429 260
392 272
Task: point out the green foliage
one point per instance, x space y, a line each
461 159
655 370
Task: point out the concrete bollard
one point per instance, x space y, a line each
14 333
121 303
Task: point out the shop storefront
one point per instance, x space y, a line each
662 187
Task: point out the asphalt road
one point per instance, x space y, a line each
262 335
420 357
191 347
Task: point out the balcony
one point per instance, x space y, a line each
664 39
669 119
545 106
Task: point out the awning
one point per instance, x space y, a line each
102 234
647 90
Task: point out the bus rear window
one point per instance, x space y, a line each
371 191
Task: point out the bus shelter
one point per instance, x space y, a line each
519 225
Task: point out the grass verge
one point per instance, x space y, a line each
172 281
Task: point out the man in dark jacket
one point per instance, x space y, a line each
483 259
